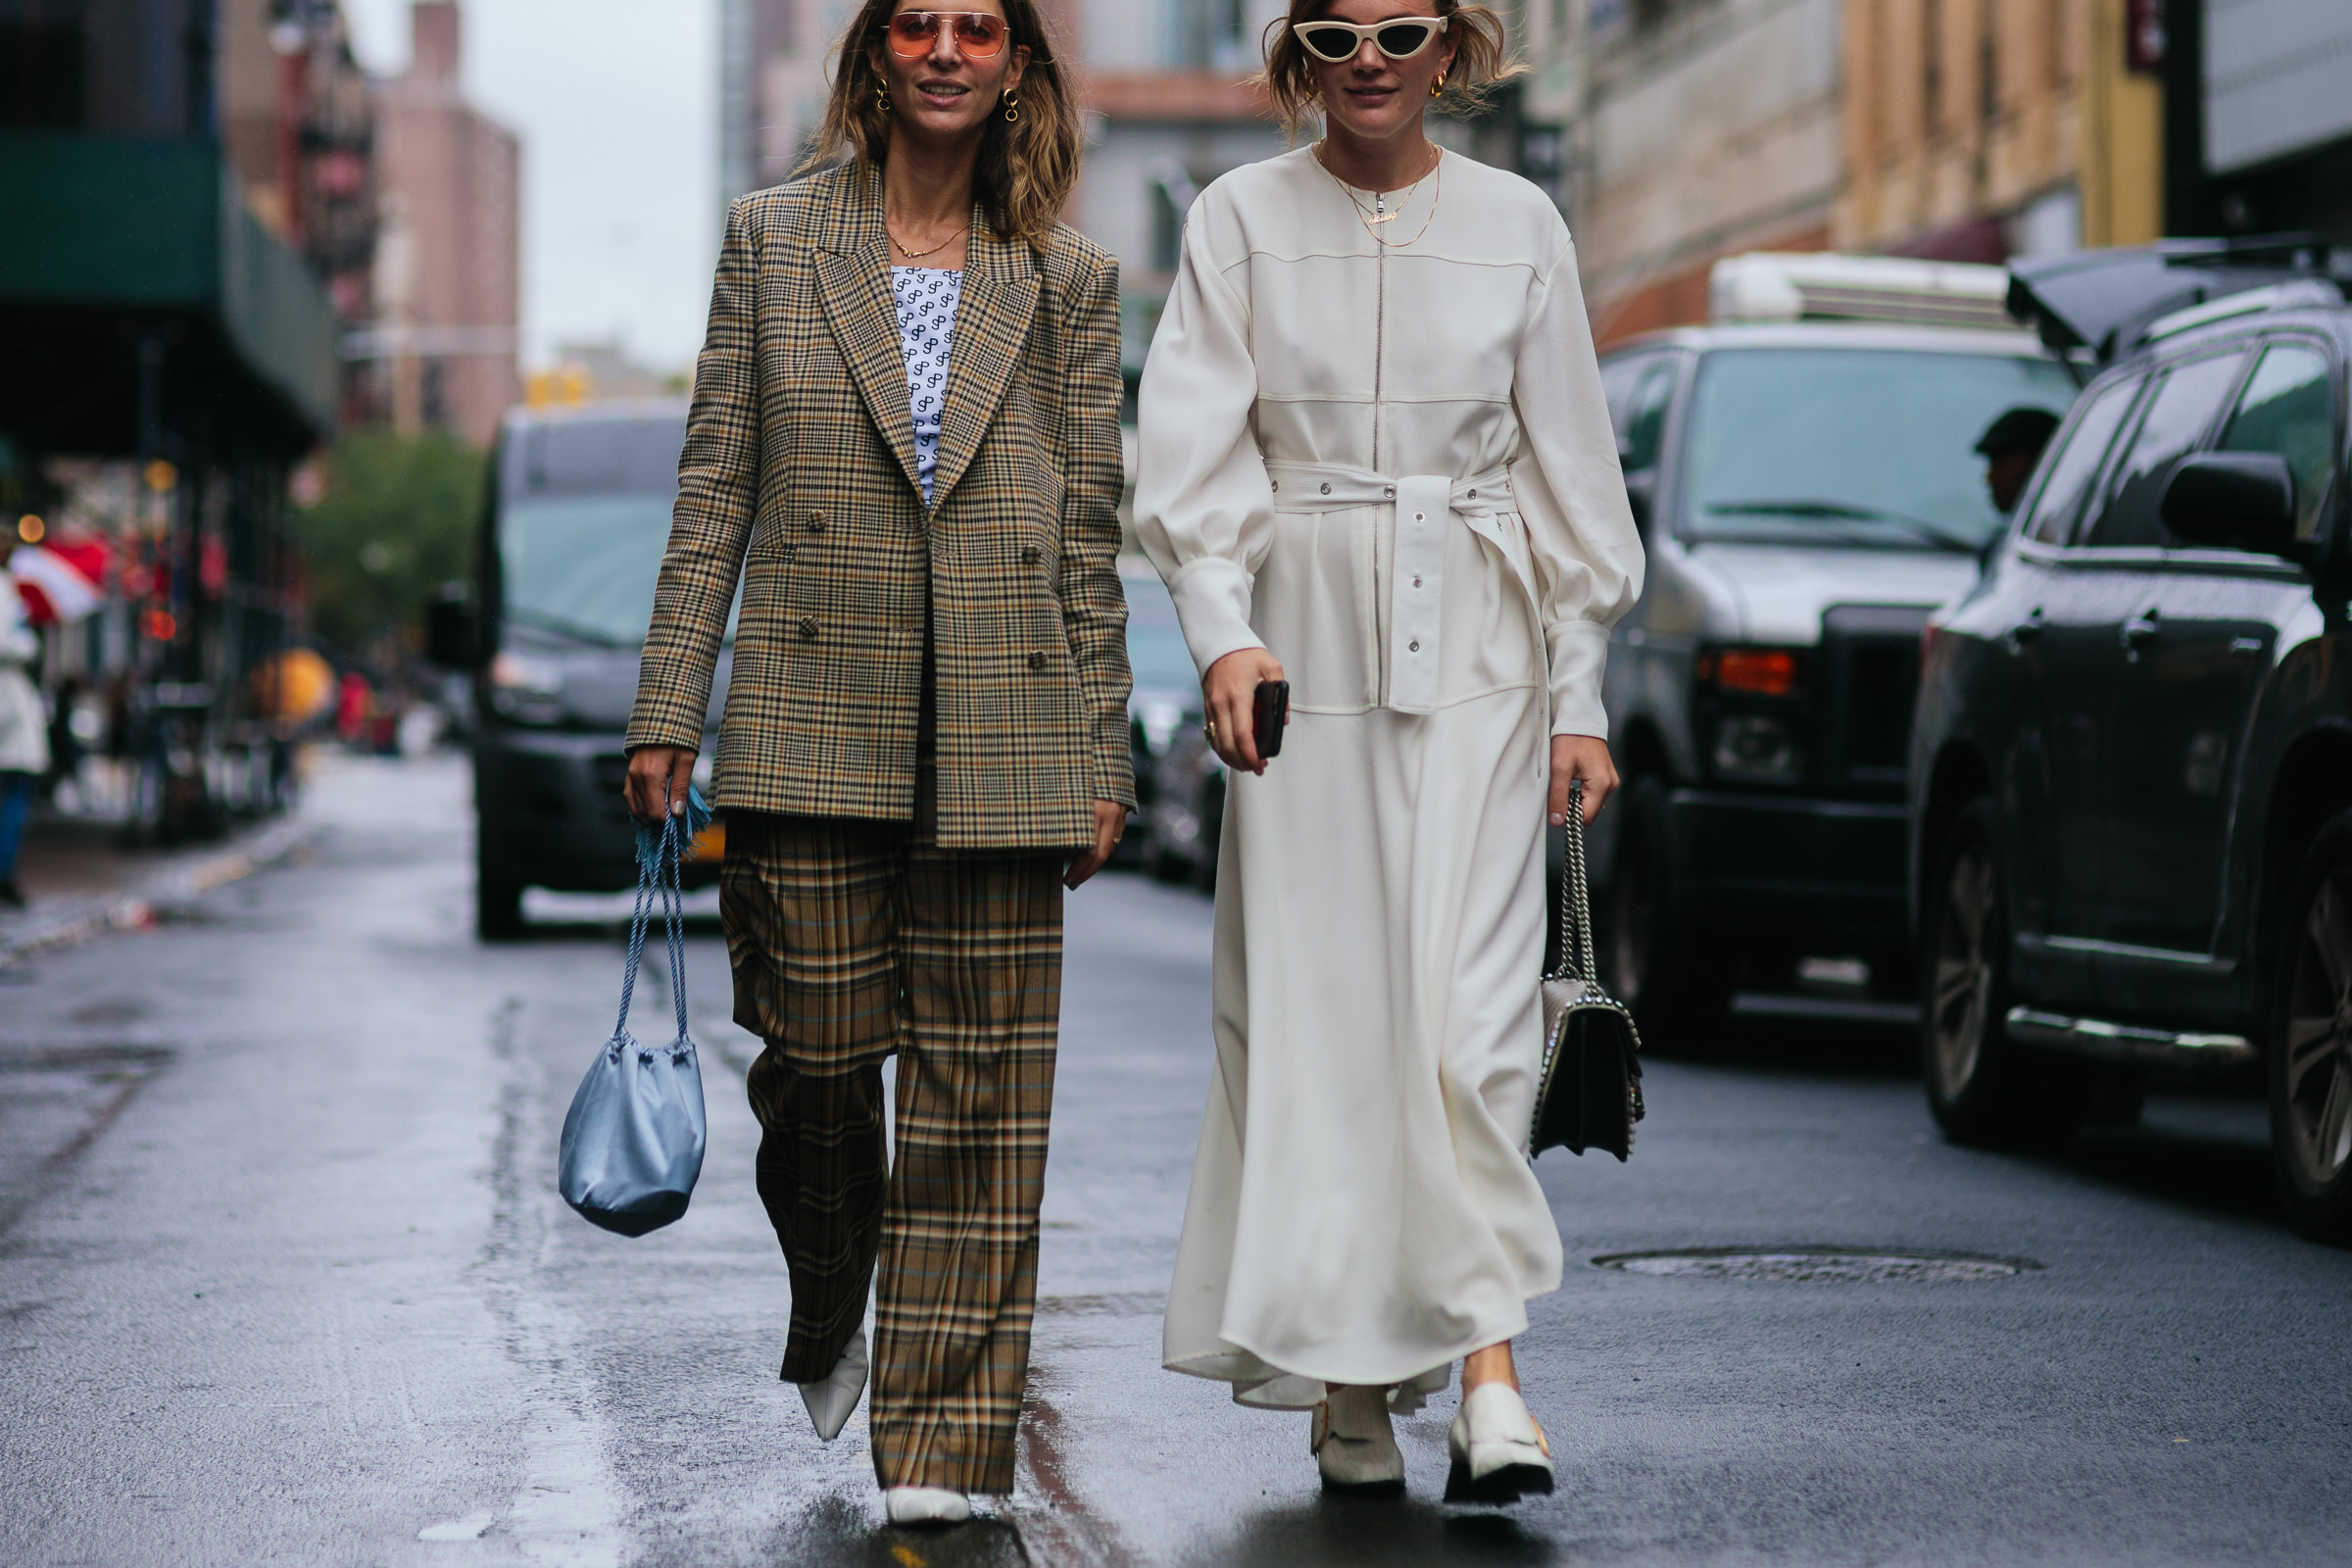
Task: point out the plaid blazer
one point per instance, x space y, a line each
798 476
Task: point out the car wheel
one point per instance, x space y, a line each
1678 984
1982 1088
2310 1055
497 901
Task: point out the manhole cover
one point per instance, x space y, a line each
1817 1265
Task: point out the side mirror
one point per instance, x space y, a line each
2232 501
1642 494
453 632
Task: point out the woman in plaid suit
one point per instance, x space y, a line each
905 445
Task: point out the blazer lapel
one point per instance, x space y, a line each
853 271
993 315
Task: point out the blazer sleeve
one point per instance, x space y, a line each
1094 605
712 522
1570 495
1204 508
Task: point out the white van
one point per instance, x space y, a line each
1804 473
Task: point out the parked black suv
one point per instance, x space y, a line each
571 534
2131 764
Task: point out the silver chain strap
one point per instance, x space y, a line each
1578 959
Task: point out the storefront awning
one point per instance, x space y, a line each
120 245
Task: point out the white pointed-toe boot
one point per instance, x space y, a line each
1499 1454
832 1398
926 1506
1354 1446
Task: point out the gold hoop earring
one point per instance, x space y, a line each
881 98
1438 86
1012 109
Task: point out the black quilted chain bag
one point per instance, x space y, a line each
1591 1093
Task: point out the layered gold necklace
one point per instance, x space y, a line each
1371 218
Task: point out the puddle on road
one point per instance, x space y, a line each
1818 1265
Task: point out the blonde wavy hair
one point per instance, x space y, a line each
1482 60
1025 171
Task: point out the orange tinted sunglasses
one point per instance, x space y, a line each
979 34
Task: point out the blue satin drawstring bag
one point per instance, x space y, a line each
633 1139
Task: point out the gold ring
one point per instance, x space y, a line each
1209 729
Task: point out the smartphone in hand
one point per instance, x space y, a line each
1273 712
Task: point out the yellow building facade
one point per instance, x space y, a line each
1974 128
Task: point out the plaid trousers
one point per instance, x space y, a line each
851 939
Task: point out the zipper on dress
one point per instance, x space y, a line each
1380 354
1379 314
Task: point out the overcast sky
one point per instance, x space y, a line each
615 102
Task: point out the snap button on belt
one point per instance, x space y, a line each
1418 507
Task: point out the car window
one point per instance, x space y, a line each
2181 409
2067 476
1645 426
2289 407
1861 448
1157 656
1617 377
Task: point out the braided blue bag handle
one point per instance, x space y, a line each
661 853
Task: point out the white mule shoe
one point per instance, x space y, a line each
1353 1445
1499 1454
832 1398
926 1506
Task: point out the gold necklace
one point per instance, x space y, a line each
1437 193
1365 212
914 254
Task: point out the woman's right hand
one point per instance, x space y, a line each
1229 694
658 781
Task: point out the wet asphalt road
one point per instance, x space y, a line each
284 1279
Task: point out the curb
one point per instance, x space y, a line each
168 888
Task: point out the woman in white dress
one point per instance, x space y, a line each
1376 461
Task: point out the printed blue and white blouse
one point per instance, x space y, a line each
926 298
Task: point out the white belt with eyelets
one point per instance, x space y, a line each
1421 508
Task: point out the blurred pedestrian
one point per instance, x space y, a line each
905 437
24 728
2011 445
1375 462
354 698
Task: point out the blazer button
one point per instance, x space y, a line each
808 629
817 522
1037 661
1029 555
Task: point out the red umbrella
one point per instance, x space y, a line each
59 583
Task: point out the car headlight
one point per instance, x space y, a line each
1159 722
1757 747
525 689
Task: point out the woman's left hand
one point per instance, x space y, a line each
1586 758
1111 824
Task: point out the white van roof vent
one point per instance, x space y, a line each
1823 286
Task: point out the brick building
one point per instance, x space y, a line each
447 277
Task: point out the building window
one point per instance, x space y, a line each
432 396
1209 34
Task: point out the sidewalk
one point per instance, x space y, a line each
81 880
